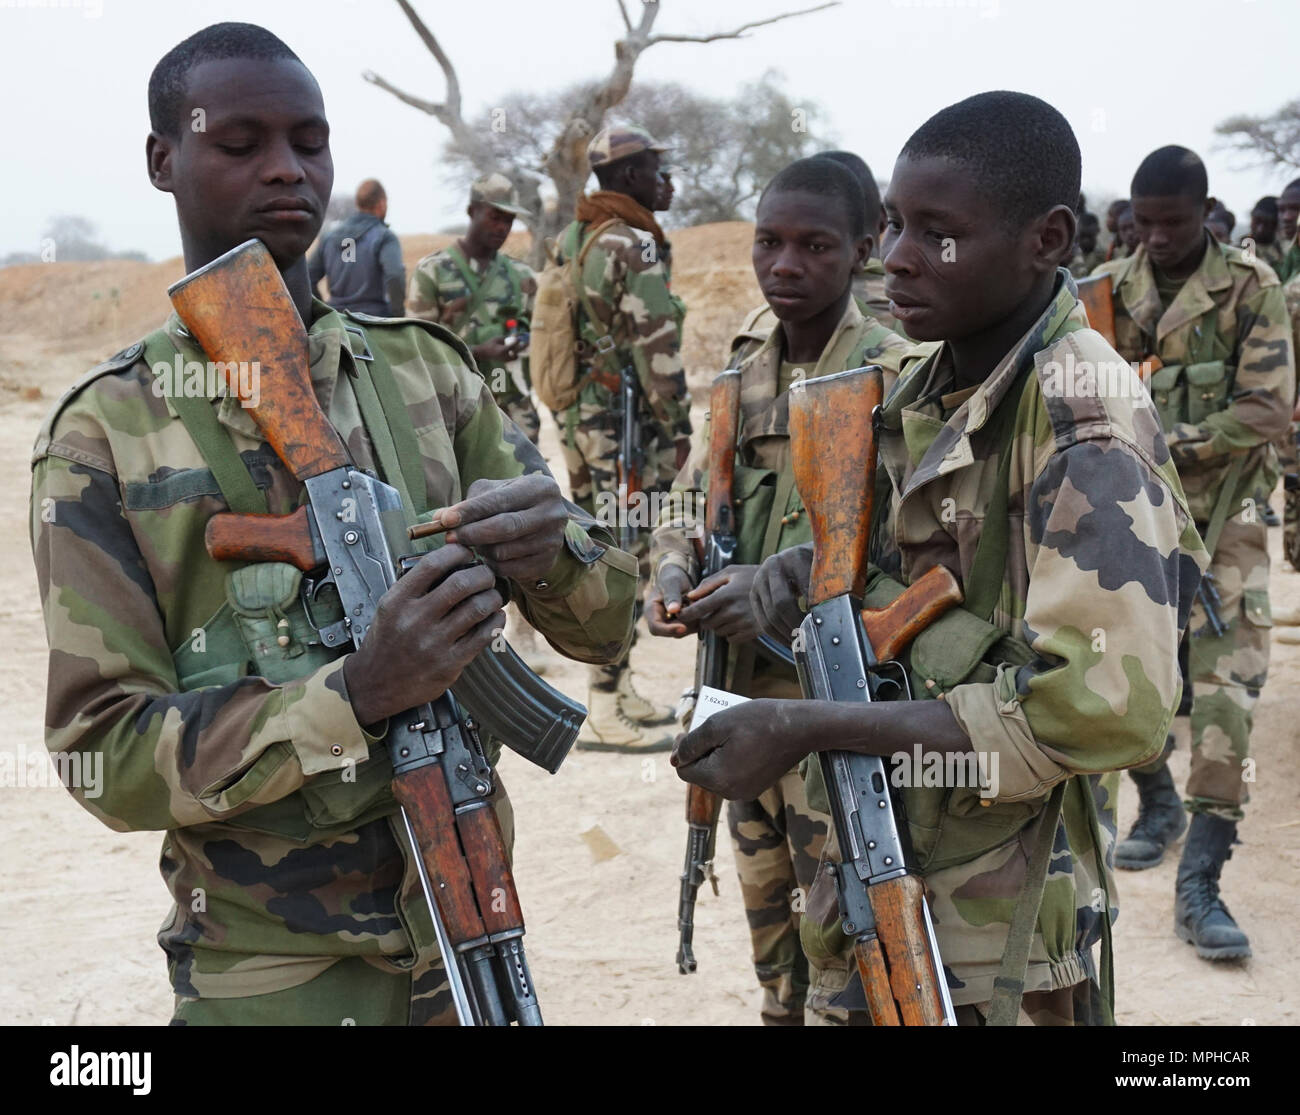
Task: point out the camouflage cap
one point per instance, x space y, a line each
497 191
618 142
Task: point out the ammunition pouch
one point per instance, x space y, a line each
263 630
1190 393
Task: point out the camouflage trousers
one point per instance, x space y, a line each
1227 672
1289 459
520 410
354 990
778 842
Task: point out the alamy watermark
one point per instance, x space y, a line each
190 379
969 770
75 770
1097 379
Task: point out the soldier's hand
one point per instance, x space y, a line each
452 308
722 603
427 628
516 525
742 751
495 351
781 580
664 603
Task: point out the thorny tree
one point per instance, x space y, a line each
565 163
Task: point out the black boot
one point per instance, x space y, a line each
1160 821
1200 917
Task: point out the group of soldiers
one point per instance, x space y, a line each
1079 526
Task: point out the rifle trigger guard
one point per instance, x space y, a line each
331 634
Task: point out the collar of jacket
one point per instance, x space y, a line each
951 449
1137 290
327 338
842 340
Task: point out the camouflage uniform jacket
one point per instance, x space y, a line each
1288 263
625 281
869 290
1269 253
1084 263
504 289
281 850
764 482
1226 342
1101 565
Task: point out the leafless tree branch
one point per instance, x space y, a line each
739 32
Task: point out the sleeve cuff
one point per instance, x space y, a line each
322 728
578 554
997 727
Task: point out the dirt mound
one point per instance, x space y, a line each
59 319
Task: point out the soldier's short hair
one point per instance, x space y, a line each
871 191
1019 150
1266 205
825 178
220 41
1171 171
1291 187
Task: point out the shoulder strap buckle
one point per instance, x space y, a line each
605 343
357 331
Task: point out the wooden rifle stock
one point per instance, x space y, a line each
1098 300
833 451
724 421
237 307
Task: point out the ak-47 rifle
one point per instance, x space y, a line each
356 532
703 806
631 457
846 656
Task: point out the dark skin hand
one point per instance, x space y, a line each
516 526
719 603
441 628
957 269
260 167
779 583
740 752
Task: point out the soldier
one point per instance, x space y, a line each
1263 236
627 319
1215 318
811 238
663 202
980 216
297 898
1288 218
475 290
1113 211
868 279
1088 253
362 258
1221 221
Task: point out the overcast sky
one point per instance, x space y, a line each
1136 75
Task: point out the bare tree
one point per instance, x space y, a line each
1266 140
565 161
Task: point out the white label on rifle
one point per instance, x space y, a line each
713 700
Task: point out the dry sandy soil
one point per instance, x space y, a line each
600 844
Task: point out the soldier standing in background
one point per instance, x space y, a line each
1216 320
475 290
663 202
1288 217
811 239
1113 211
626 319
362 258
1088 253
1263 231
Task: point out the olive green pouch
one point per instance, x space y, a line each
1169 393
1207 390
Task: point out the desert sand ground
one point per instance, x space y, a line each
600 844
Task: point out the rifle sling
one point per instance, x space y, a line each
199 417
1009 984
389 425
1227 497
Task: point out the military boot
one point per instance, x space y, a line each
608 729
1160 821
636 708
1200 917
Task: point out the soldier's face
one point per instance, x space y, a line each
1173 229
1088 237
1288 213
1263 227
489 225
664 194
954 266
1128 231
804 253
252 160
